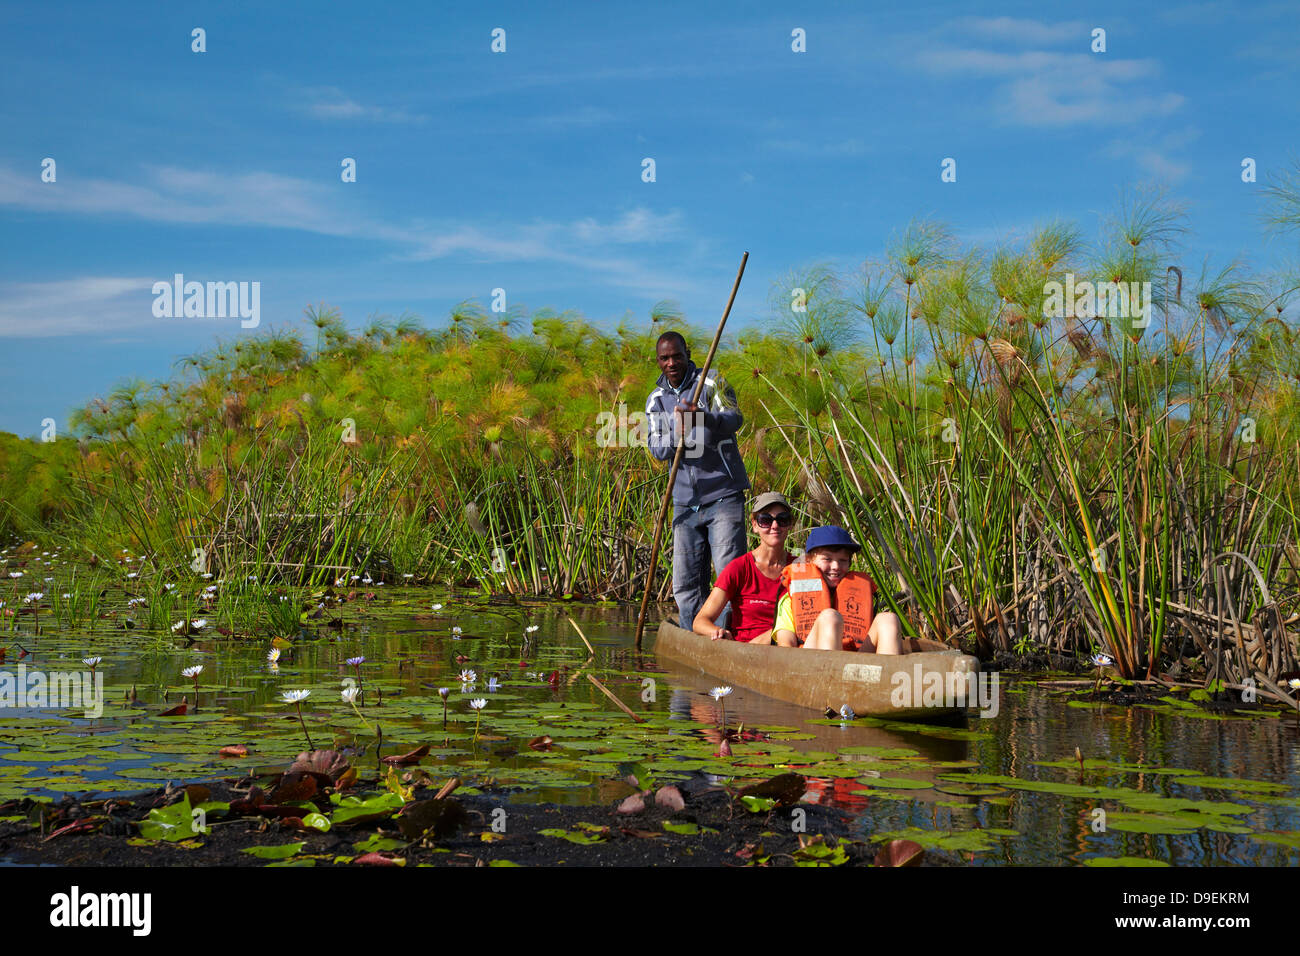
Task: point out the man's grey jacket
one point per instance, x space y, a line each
711 464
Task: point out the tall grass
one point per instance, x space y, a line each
1025 482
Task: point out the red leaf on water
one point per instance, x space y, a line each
554 679
632 804
900 853
233 750
408 758
641 834
462 659
376 859
523 663
671 798
544 742
179 710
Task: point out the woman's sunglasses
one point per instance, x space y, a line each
785 519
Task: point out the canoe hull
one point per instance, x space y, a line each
821 679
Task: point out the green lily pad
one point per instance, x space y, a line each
1122 861
282 852
895 783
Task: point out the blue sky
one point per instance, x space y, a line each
522 170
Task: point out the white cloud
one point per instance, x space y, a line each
1027 31
586 116
1046 89
801 146
88 304
272 201
331 103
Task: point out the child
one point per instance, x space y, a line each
830 605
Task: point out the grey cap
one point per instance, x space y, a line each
766 500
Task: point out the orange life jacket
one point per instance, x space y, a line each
809 596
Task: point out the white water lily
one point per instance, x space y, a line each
1102 660
456 632
199 624
295 696
847 712
349 694
34 596
178 626
192 672
92 662
531 628
1294 683
273 658
719 692
468 677
436 607
15 574
478 703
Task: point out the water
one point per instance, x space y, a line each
911 783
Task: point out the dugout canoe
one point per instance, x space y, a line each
821 679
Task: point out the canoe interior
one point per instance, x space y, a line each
821 679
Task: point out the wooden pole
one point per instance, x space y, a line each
677 461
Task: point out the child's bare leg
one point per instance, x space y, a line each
764 638
827 632
886 634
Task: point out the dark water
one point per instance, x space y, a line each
911 784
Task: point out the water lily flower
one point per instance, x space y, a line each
408 576
436 607
530 628
135 602
1294 683
133 574
338 582
1102 660
443 692
720 694
47 580
478 703
207 575
456 632
199 624
192 672
468 677
92 662
15 574
847 712
67 595
296 697
179 625
349 694
34 596
273 659
355 661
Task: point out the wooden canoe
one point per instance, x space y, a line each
821 679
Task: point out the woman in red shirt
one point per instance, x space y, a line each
752 582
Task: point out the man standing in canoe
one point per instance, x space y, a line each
709 494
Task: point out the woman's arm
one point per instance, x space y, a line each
704 623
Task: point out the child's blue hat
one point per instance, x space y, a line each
830 536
